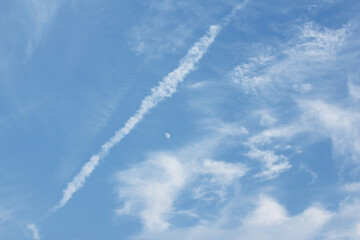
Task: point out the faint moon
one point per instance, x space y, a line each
167 135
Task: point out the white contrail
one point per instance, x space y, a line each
165 89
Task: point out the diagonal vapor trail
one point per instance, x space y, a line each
165 89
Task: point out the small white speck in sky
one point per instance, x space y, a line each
167 135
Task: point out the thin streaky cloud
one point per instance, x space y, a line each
353 86
34 230
165 89
306 169
274 164
42 13
353 187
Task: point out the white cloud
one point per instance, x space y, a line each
345 221
268 212
302 88
354 91
166 88
41 12
341 125
34 230
315 116
224 128
223 172
150 189
311 54
273 165
319 43
354 86
262 149
268 219
308 170
283 132
198 85
311 51
213 178
266 117
353 187
246 75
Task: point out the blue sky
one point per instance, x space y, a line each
179 119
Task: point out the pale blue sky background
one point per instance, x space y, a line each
261 140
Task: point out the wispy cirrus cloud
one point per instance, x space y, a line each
306 169
307 55
246 75
41 13
339 124
354 86
4 215
34 230
273 164
157 34
266 117
290 74
353 187
216 177
263 147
